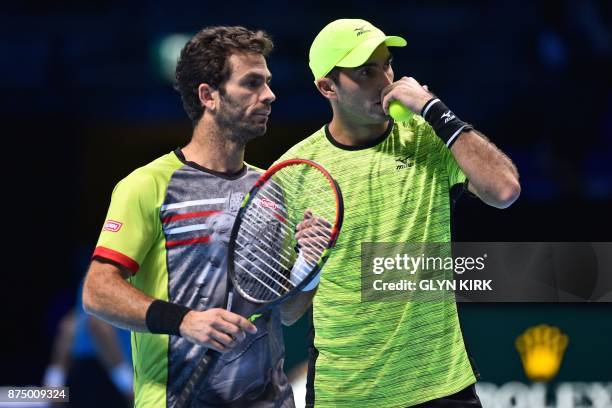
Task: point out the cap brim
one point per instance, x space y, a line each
360 54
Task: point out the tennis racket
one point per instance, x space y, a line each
283 233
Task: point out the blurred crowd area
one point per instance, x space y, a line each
88 97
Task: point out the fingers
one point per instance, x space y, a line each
313 241
238 321
407 90
220 338
315 230
386 98
215 345
230 329
307 217
314 233
216 328
312 236
321 222
310 220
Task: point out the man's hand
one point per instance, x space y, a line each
312 235
409 92
217 329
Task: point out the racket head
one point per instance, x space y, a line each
262 255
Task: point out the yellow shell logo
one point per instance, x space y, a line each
541 348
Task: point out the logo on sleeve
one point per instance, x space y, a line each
112 226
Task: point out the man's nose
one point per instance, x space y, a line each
268 96
385 79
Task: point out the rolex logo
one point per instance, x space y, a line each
541 349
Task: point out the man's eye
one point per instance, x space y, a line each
364 72
253 83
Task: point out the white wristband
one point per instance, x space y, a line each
301 269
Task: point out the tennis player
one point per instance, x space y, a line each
399 182
167 231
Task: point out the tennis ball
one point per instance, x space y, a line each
399 112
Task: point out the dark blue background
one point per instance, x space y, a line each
84 103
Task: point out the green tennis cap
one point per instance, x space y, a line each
346 43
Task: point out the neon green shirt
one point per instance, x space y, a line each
169 223
385 354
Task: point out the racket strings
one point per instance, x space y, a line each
284 254
301 186
289 227
265 241
276 286
320 238
322 235
319 195
324 192
281 266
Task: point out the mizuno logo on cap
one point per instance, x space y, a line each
361 30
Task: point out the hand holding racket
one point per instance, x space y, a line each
312 234
217 329
296 204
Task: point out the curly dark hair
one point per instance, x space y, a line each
204 60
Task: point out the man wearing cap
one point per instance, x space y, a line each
399 181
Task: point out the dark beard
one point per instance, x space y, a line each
233 123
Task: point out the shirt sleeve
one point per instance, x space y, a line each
455 174
132 223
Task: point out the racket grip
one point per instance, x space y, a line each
197 379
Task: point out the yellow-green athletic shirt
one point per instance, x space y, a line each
385 354
169 223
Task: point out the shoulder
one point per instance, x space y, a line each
253 169
308 146
150 177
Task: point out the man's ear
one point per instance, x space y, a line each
327 88
208 96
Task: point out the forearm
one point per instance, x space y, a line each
108 296
491 174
